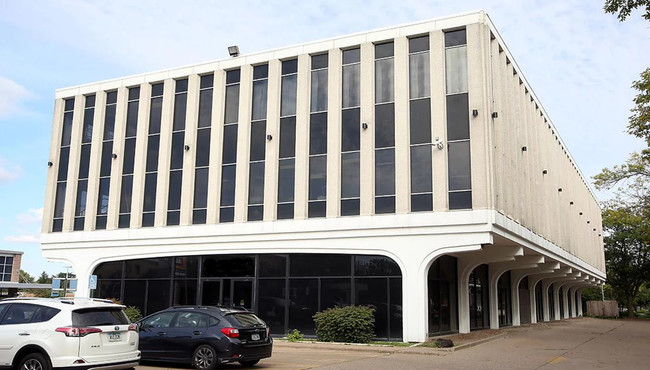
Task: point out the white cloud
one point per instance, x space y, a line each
7 173
12 96
31 216
23 239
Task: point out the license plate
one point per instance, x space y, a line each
114 337
255 337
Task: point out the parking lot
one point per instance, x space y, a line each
570 344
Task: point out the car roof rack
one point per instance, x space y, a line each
218 306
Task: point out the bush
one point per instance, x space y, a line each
350 324
294 336
133 313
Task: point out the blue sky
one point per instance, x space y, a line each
580 62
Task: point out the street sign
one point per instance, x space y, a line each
92 282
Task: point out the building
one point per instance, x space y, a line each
10 274
410 168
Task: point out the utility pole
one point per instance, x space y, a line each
65 282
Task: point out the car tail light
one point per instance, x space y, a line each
71 331
230 332
133 327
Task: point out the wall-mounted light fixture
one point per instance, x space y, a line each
187 147
495 115
571 203
580 213
114 156
364 126
524 148
594 229
269 137
559 190
544 172
233 51
50 164
588 222
475 112
438 144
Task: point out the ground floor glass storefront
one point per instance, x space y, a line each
286 290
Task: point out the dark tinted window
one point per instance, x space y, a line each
244 319
385 122
417 44
162 320
289 66
44 314
454 38
320 265
287 137
351 56
232 76
272 265
148 268
99 317
421 121
457 117
228 266
319 61
318 133
384 50
191 320
375 266
109 270
19 313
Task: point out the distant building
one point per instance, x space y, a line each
411 168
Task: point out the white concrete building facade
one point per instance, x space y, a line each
412 169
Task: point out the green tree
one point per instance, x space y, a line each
625 7
639 125
25 277
44 278
627 249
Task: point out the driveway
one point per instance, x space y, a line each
569 344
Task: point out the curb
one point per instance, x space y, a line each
313 345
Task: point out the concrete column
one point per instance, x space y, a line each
556 302
466 264
545 307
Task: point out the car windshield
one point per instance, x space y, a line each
99 316
245 319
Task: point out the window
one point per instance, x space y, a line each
106 160
177 154
318 137
287 161
162 320
84 163
229 151
199 215
458 140
153 146
350 133
257 143
128 161
6 267
420 125
384 129
19 313
64 157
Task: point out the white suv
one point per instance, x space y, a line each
43 333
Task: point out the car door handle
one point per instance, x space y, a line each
161 333
197 333
23 334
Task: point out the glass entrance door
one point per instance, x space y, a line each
227 292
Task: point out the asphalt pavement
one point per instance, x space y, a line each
583 343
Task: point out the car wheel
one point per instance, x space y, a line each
204 358
249 363
34 361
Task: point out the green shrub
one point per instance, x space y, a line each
294 336
350 324
133 313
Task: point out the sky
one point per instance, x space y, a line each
579 61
